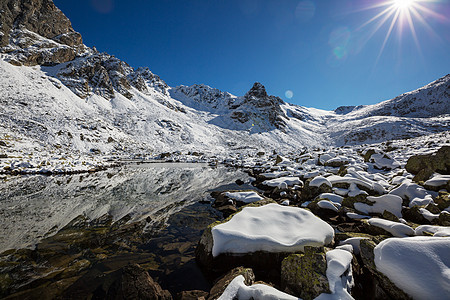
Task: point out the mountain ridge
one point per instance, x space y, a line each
60 95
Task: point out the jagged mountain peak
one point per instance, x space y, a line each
258 90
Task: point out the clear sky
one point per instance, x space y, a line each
315 53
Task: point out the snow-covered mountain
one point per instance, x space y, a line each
60 97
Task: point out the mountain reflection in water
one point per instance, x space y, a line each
34 207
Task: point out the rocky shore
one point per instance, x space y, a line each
339 224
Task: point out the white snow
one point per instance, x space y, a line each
391 203
273 228
355 242
437 180
435 230
246 197
420 266
339 274
279 182
357 216
414 192
395 228
428 215
237 289
319 180
326 204
332 197
381 160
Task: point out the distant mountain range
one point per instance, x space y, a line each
59 95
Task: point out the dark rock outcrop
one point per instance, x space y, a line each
135 283
39 16
423 166
36 32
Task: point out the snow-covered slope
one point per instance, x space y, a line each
60 98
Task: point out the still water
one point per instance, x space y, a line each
166 195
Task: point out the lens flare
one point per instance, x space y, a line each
400 13
289 94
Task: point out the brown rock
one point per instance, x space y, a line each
222 283
423 166
192 295
136 283
39 16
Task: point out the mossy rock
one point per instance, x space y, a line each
444 219
423 166
443 200
387 215
374 230
368 154
311 192
304 275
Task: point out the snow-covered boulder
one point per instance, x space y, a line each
391 203
258 234
420 266
237 289
395 228
271 228
244 197
283 182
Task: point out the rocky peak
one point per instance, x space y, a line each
258 91
39 16
204 95
143 79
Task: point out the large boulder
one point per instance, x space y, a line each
383 286
304 275
423 166
260 237
419 266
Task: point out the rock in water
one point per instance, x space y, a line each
135 283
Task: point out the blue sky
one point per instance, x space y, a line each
319 51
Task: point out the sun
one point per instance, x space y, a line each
402 14
403 4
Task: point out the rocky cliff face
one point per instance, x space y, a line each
39 16
37 32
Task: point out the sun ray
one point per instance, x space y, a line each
413 31
427 26
394 20
430 12
403 15
390 10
